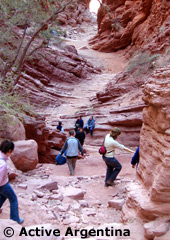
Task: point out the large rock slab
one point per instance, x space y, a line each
25 155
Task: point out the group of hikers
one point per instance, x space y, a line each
80 130
75 142
71 147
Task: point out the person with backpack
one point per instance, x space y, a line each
113 165
6 191
73 146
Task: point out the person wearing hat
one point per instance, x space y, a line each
113 165
59 126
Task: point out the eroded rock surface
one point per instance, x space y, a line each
148 196
141 24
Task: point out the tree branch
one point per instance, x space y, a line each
43 26
9 66
42 45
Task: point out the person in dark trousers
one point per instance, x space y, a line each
60 127
80 135
73 146
6 191
79 124
113 165
135 158
90 126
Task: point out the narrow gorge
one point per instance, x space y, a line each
113 66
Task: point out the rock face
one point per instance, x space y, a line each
140 23
11 127
120 104
148 195
48 140
51 74
25 155
75 14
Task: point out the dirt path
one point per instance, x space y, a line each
109 63
92 168
49 207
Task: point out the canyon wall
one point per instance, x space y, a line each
139 24
51 74
149 194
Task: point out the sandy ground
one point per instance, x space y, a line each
91 168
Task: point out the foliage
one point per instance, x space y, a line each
143 62
14 103
23 22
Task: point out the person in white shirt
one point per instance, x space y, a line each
113 165
6 191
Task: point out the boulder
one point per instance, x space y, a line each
116 203
74 193
50 186
11 128
25 155
156 228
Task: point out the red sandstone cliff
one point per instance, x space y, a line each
148 195
141 24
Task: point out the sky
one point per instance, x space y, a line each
94 5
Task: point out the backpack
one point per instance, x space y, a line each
61 159
102 150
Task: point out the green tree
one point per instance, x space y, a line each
22 22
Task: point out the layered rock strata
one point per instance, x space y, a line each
120 105
140 23
51 74
148 196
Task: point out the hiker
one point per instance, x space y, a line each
79 123
6 191
59 126
80 135
113 165
135 158
90 125
73 146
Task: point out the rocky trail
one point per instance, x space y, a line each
48 195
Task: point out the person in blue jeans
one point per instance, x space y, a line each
113 165
6 191
135 158
90 126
